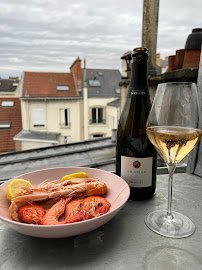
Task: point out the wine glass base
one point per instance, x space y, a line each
178 227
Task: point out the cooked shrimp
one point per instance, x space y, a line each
94 206
53 214
73 208
69 191
20 201
95 188
31 213
52 185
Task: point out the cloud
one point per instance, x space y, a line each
48 35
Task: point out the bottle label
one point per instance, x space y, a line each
137 172
138 94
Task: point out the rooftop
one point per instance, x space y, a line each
103 82
115 103
43 84
8 85
97 153
30 135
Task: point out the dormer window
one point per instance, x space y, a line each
94 82
62 87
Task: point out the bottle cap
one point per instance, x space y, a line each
140 51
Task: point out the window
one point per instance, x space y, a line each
98 135
97 115
94 82
38 118
67 139
62 87
5 125
7 103
64 117
15 84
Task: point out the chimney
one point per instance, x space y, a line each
179 59
171 63
85 103
149 31
158 61
76 70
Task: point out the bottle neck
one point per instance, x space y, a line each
139 82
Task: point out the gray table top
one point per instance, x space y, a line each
123 243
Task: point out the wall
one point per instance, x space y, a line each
52 109
26 145
12 115
104 129
113 117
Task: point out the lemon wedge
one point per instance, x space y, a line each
14 188
74 175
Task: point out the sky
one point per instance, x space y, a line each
48 35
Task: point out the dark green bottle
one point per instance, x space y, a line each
136 157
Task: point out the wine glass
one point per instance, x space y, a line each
172 127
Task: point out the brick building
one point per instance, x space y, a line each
10 114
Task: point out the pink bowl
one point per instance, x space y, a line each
117 194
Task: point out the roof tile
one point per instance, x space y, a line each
43 84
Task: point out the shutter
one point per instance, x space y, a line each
38 118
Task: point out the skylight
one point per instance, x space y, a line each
7 103
62 87
117 90
94 82
5 125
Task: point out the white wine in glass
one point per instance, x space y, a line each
172 127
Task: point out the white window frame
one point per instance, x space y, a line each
96 120
38 118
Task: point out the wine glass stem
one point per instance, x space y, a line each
171 169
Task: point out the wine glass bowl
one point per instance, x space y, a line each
173 143
172 127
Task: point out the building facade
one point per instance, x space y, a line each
99 88
10 114
50 110
58 108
